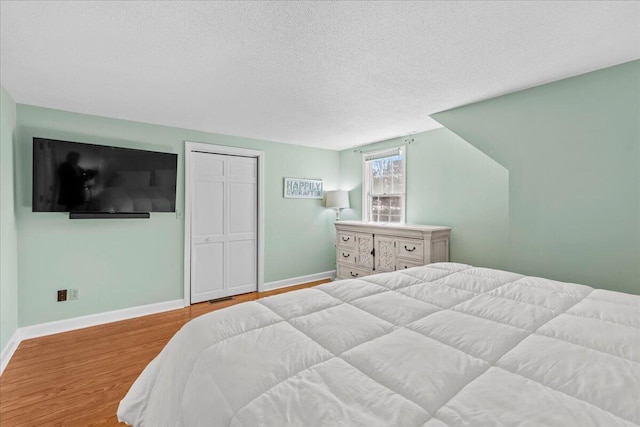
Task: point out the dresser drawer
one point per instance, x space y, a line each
351 272
404 264
411 249
348 240
346 255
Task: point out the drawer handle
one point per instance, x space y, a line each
345 240
345 255
354 275
406 266
409 250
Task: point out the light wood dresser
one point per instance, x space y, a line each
365 248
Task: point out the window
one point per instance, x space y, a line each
384 186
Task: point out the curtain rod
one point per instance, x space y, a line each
359 149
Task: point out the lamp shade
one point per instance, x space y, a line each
337 199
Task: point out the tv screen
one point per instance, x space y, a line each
77 177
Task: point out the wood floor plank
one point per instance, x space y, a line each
78 378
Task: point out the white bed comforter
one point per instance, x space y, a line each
441 345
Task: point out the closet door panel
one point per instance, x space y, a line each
224 226
242 225
242 208
242 258
207 279
208 213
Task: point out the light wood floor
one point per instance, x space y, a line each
78 378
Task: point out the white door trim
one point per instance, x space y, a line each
190 147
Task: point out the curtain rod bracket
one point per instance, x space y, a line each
361 149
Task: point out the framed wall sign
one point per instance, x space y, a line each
302 188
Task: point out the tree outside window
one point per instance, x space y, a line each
384 186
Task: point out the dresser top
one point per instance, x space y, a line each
394 226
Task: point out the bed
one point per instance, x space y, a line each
441 345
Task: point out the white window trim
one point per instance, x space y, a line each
365 195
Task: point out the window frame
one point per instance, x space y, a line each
366 183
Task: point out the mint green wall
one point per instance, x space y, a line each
8 229
449 182
561 199
572 149
123 263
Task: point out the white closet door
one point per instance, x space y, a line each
223 226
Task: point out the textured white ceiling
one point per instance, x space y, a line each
324 74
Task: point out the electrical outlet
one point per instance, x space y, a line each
62 295
74 294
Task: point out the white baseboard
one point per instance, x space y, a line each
49 328
9 349
278 284
65 325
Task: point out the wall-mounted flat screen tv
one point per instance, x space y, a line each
78 177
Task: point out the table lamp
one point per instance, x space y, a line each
337 199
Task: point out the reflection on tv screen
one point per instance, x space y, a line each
77 177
